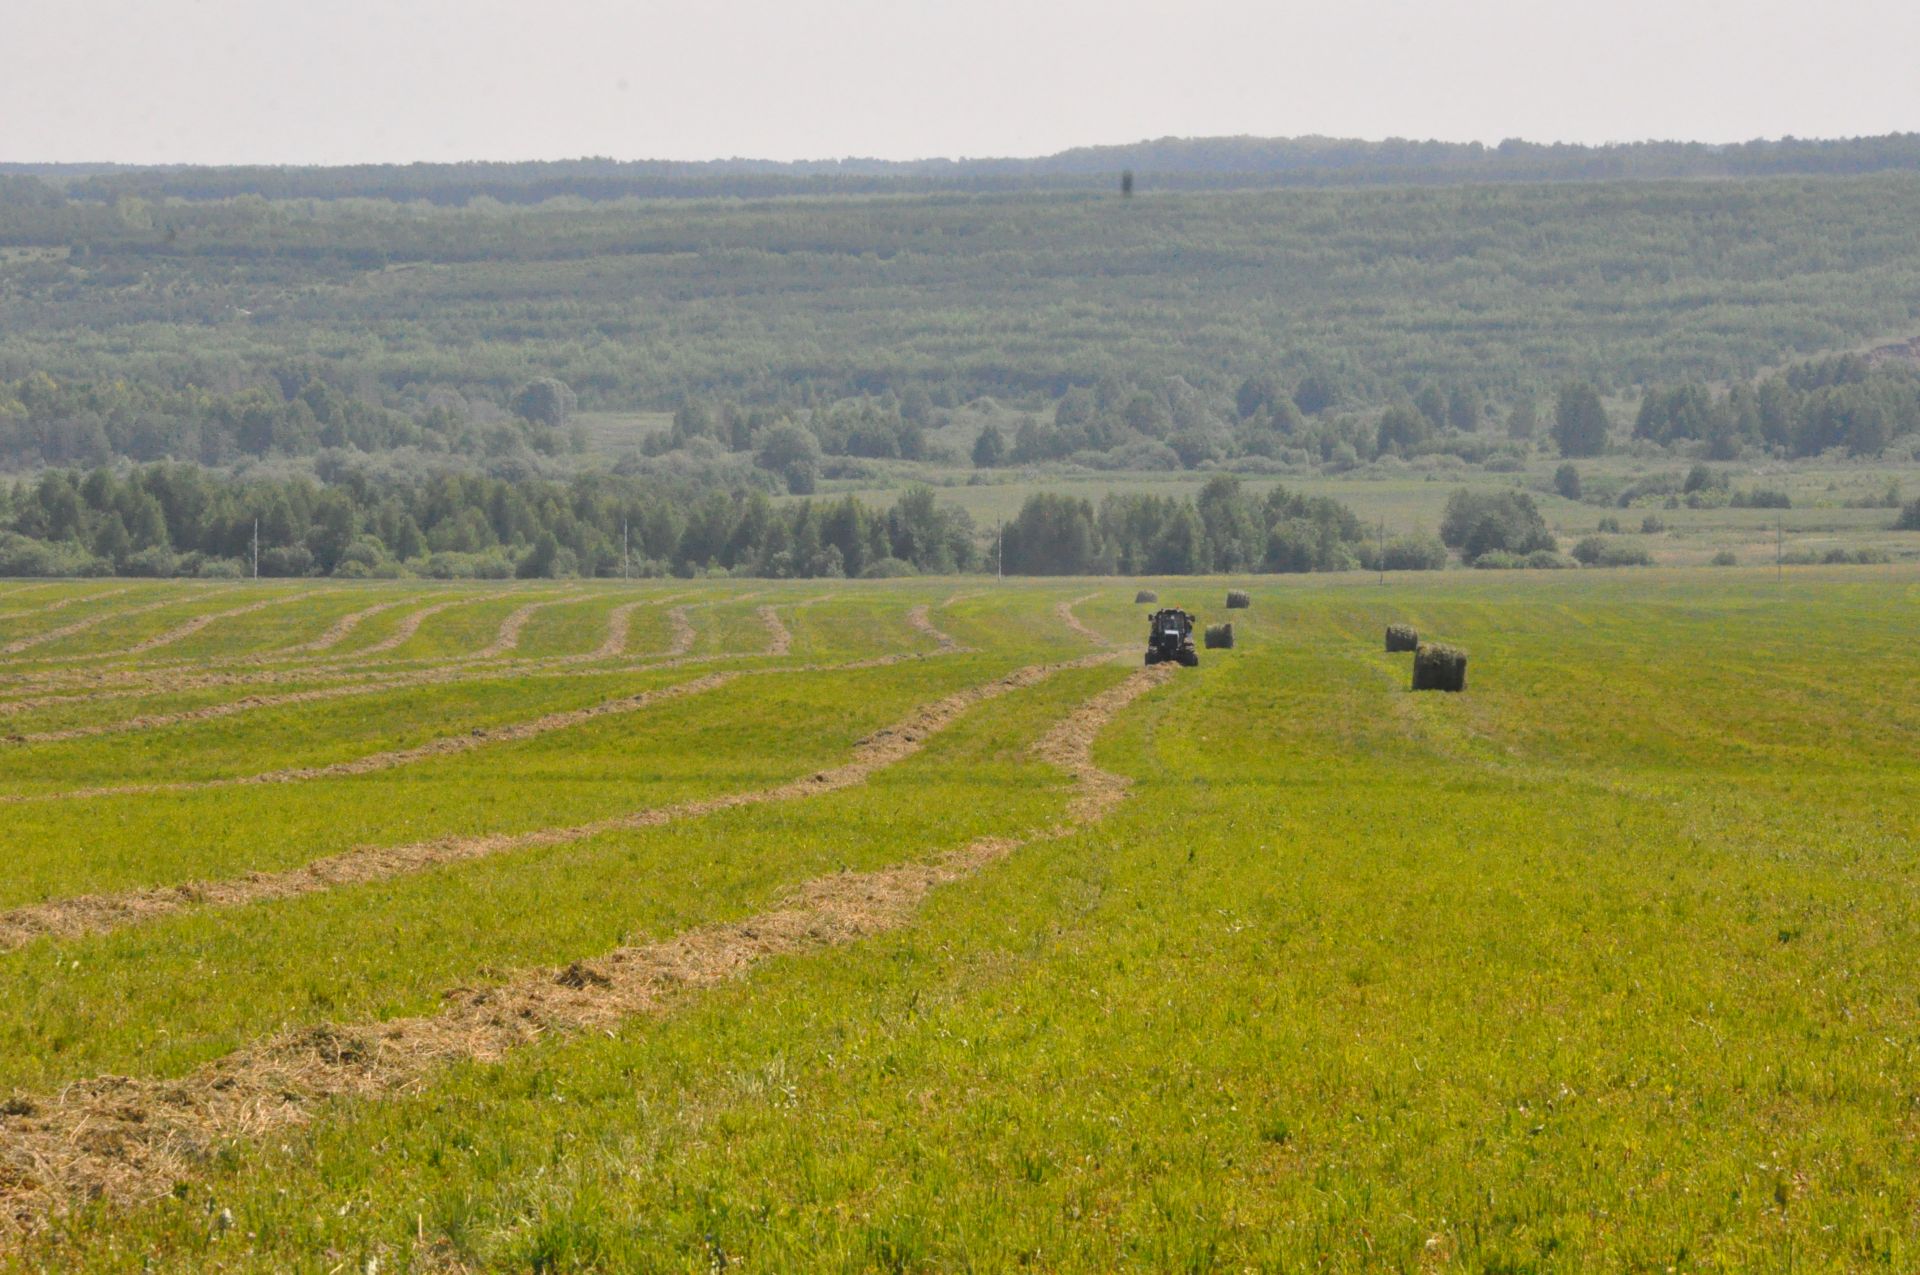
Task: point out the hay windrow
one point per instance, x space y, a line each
921 618
18 645
128 1140
335 634
457 670
779 641
1065 611
395 758
62 603
508 638
95 914
683 634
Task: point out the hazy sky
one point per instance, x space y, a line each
328 81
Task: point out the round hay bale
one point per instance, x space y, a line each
1401 637
1237 600
1220 637
1439 668
1146 595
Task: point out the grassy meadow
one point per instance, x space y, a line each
1606 964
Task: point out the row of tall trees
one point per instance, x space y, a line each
1846 402
1225 528
180 519
44 421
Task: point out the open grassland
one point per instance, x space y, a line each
913 925
1835 504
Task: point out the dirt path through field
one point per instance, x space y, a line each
129 1140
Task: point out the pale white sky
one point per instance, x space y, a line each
335 81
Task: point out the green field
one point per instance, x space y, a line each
913 925
1830 501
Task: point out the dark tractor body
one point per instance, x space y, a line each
1170 637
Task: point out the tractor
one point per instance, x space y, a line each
1170 637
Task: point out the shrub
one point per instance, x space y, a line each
1596 551
1909 519
1499 560
1724 558
1439 668
1866 557
1405 553
1548 560
1609 524
1478 521
1762 498
887 569
1652 525
1566 481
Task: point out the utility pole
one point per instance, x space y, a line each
626 572
1000 552
1382 542
256 548
1779 549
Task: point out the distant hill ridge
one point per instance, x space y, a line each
1165 164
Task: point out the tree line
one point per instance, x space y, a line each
185 520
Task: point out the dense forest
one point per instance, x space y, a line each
1372 294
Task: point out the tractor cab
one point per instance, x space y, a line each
1170 637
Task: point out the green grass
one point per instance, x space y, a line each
1606 964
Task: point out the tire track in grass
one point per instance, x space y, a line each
128 1140
79 915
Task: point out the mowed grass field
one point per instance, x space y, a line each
913 925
